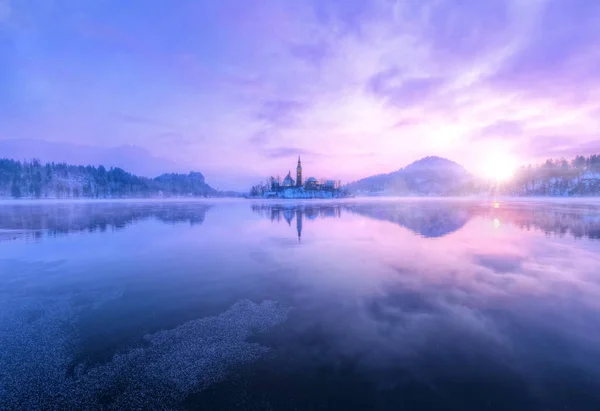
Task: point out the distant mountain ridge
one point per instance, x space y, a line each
135 159
428 176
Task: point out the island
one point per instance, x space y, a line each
299 188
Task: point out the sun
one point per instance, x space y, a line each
499 167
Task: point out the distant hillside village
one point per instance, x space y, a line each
299 188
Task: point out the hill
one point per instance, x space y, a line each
32 179
436 176
134 159
427 176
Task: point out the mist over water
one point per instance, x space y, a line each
353 305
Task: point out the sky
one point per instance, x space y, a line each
238 89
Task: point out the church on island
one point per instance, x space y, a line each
300 188
311 183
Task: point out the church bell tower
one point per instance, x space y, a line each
299 174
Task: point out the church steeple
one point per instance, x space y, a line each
299 173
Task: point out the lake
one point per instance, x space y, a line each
351 305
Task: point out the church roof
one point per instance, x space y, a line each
288 178
311 180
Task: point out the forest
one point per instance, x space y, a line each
578 177
32 179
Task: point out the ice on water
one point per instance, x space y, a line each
37 350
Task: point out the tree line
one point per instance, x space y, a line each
557 177
32 179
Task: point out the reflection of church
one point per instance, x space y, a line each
438 219
299 222
299 212
288 215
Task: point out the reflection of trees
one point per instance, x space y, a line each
31 220
440 218
578 221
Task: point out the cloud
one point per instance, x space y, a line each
283 152
406 122
400 79
177 138
505 129
379 82
5 10
261 138
402 91
314 53
558 54
457 31
500 263
347 17
280 112
555 146
140 120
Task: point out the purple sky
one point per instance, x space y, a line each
237 89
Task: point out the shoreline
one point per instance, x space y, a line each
527 199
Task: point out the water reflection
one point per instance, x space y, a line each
428 305
277 212
289 212
576 220
429 220
34 220
440 218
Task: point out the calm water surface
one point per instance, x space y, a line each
357 305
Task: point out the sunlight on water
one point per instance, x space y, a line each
496 223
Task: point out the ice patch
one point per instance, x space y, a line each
172 364
105 298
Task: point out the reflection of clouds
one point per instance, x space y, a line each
479 304
482 304
471 324
500 263
400 335
409 323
